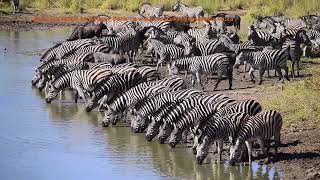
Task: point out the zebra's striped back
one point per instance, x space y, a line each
114 86
249 106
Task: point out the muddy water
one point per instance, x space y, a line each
62 141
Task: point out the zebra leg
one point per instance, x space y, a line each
76 95
193 79
220 149
269 74
298 67
292 69
251 75
244 69
264 151
286 72
198 76
249 147
279 72
277 142
229 75
261 72
81 94
185 135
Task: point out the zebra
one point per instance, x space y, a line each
204 64
179 120
116 84
295 23
127 99
221 128
261 127
160 24
157 117
80 80
115 25
151 105
168 52
157 120
264 60
293 50
156 33
150 11
74 62
250 107
53 73
146 73
210 46
182 38
128 43
15 6
204 33
60 49
195 12
260 38
172 83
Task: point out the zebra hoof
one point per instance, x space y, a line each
105 124
173 145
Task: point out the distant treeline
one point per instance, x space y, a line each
293 8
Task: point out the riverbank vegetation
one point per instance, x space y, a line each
292 8
299 100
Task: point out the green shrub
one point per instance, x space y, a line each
299 101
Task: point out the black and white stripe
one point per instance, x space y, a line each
261 127
221 129
80 80
215 63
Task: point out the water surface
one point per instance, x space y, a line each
62 141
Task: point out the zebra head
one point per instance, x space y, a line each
164 132
197 134
235 150
204 144
36 77
173 69
189 48
177 7
42 83
153 129
302 37
175 137
51 92
139 123
109 116
92 103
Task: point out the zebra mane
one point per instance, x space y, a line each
45 54
245 51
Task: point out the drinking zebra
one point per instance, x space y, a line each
113 86
260 128
151 105
221 129
80 80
